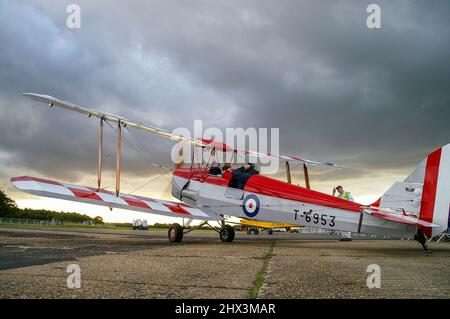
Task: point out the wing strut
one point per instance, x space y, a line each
305 172
118 150
100 153
288 173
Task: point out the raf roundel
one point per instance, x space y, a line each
250 205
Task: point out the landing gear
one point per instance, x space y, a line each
422 239
227 234
175 233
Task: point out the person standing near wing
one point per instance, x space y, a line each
346 236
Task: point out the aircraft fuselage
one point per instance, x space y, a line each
271 200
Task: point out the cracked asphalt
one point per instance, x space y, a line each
140 264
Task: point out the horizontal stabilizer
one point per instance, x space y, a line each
76 193
398 217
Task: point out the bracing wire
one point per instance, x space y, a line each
138 152
167 170
150 181
282 173
144 147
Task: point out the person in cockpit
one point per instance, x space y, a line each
242 175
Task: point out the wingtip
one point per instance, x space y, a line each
39 97
31 95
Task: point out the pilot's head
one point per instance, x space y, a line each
249 166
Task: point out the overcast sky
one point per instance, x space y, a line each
376 101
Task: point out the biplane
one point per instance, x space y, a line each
417 207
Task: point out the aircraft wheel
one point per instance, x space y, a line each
227 234
175 233
256 232
270 232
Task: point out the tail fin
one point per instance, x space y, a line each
425 192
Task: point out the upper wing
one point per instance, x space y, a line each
52 101
226 148
294 159
393 215
53 189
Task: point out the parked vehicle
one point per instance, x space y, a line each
140 224
255 230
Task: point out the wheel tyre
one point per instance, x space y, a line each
249 231
256 232
227 234
175 233
270 232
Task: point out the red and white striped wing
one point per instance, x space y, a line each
54 189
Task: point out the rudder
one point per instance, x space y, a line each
425 193
434 172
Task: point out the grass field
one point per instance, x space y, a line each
73 226
86 226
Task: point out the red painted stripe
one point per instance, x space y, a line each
218 180
429 188
187 173
218 145
174 207
100 191
84 194
135 202
376 203
271 187
177 209
34 179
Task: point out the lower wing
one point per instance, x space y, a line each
76 193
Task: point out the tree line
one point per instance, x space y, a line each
8 208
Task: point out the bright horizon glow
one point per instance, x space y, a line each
115 215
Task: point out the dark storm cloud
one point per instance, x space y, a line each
367 99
